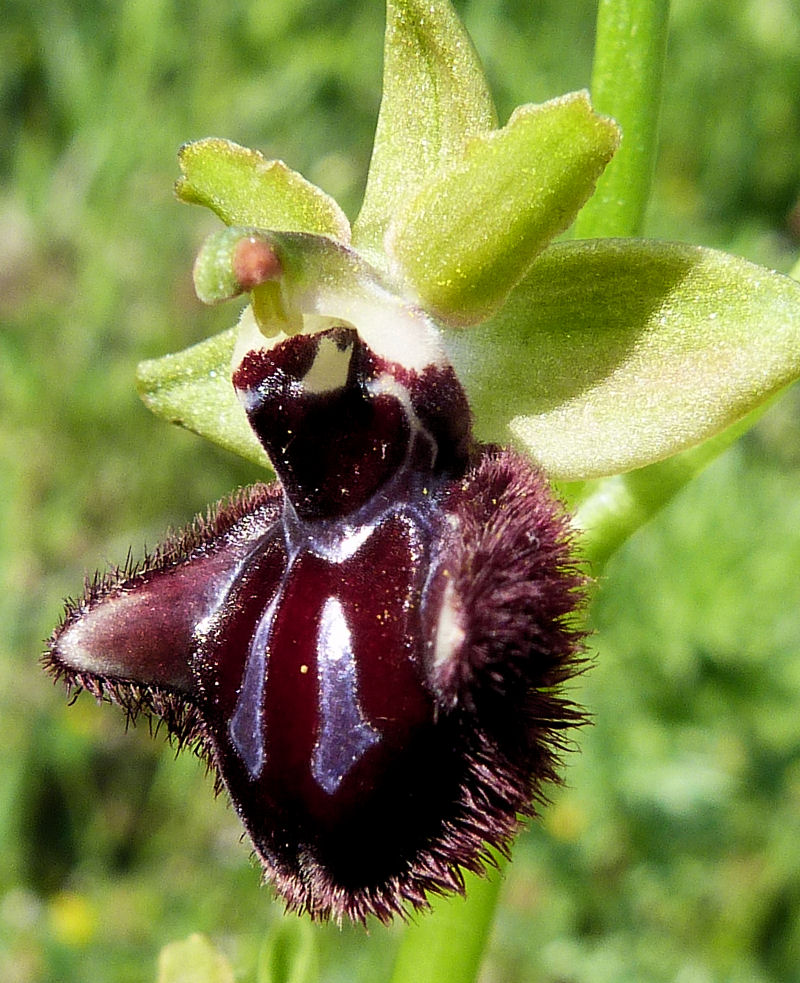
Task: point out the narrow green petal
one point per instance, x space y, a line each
435 96
613 354
474 229
244 188
193 389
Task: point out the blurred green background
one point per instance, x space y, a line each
674 854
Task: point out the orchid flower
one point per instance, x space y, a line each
371 652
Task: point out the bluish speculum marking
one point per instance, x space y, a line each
344 735
247 723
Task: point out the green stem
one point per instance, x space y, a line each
626 84
448 945
616 507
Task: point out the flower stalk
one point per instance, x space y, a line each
626 84
630 48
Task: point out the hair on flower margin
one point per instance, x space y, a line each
370 652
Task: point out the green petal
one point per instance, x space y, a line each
473 230
612 354
434 97
244 188
193 389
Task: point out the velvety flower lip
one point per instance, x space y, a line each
135 627
368 654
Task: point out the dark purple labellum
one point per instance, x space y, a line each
368 653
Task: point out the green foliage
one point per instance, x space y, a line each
289 954
192 961
449 946
673 853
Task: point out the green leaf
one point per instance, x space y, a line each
290 954
193 961
193 389
475 227
613 354
434 97
244 188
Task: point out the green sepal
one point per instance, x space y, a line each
435 96
244 188
613 354
193 389
611 509
473 230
